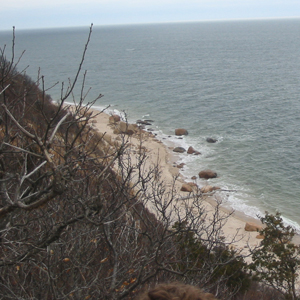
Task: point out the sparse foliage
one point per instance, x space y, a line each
277 260
214 263
83 218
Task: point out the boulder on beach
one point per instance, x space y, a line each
181 131
209 188
191 150
207 174
211 140
250 226
114 119
179 150
186 188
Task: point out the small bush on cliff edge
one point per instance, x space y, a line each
228 268
276 261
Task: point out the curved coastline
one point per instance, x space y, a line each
160 151
161 146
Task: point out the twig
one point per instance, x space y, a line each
4 89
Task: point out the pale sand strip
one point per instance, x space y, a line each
157 152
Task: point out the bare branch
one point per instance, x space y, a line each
56 128
3 90
17 123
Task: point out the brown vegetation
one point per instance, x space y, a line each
176 290
80 219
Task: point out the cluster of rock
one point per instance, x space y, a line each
205 174
121 126
110 143
191 150
192 187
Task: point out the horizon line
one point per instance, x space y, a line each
156 23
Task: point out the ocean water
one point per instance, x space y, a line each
236 81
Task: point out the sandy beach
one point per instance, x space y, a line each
159 154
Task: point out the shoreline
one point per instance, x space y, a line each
158 151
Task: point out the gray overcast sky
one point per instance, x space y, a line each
26 14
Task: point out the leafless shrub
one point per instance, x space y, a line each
80 219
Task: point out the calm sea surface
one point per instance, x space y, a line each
236 81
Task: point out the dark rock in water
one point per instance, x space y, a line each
180 166
181 131
143 122
149 121
191 150
211 140
207 174
179 150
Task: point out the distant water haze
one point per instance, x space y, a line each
237 81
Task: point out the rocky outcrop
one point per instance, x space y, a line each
179 150
250 226
207 174
181 131
191 150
